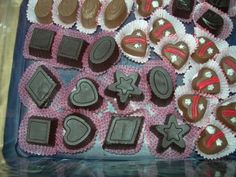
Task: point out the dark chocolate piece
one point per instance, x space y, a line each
123 132
212 22
161 86
43 11
207 81
115 13
41 131
183 8
67 10
228 64
103 54
70 51
147 7
41 43
223 5
42 87
89 13
172 134
80 131
193 107
212 140
125 88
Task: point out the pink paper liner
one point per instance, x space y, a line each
173 39
153 140
201 8
193 72
231 51
231 139
129 4
128 30
104 126
182 19
183 90
25 97
161 13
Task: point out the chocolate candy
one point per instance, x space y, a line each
103 54
123 132
193 107
115 13
212 140
147 7
70 51
68 11
183 8
171 134
177 54
223 5
212 22
161 85
41 131
41 43
43 11
207 81
89 13
227 115
228 64
135 44
79 131
42 87
125 88
205 51
161 28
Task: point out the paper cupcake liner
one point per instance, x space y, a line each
128 30
26 98
161 13
231 139
173 39
201 8
231 51
184 90
170 7
101 22
193 72
153 140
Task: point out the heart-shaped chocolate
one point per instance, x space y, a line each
161 28
135 44
212 140
146 7
193 107
205 51
228 64
227 115
177 53
85 94
207 81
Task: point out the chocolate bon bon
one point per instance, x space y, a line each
68 11
228 64
183 8
147 7
43 11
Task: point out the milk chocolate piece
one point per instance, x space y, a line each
41 43
41 131
123 132
207 81
68 11
103 54
79 131
206 50
212 22
43 11
227 115
42 87
228 64
223 5
71 50
147 7
193 107
115 13
183 8
89 13
212 140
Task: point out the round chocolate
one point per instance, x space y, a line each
43 11
147 7
68 10
228 64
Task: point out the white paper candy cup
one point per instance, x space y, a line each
30 11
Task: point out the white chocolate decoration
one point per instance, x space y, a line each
173 58
181 46
201 107
230 72
208 74
137 45
161 22
219 142
210 51
187 101
210 87
167 33
138 34
211 130
155 4
233 120
202 40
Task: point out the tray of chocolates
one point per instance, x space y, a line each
123 80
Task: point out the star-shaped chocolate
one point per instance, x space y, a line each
171 133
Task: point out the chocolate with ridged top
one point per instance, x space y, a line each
183 8
68 10
43 11
223 5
